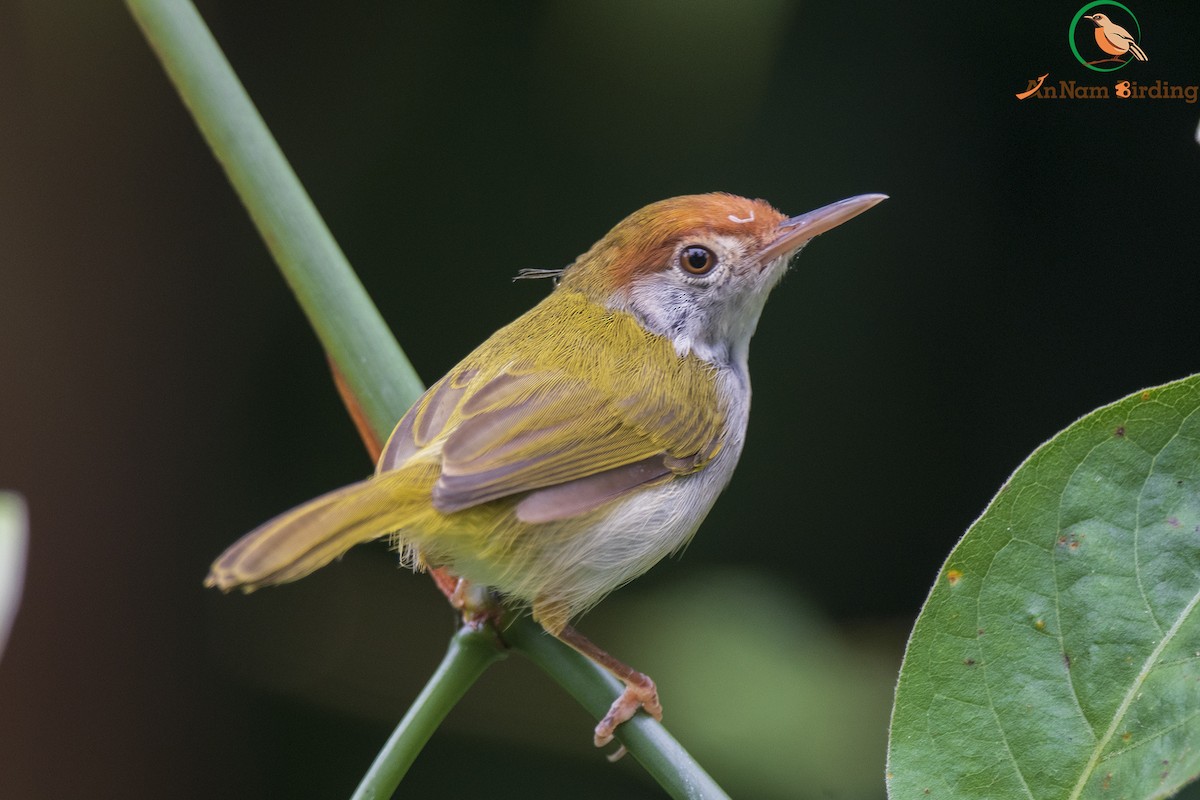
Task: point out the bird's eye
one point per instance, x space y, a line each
697 260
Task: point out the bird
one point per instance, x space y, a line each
1113 39
581 443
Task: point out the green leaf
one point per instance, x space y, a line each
1058 654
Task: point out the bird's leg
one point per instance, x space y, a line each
640 691
447 583
474 602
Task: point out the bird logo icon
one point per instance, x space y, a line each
1114 40
1103 43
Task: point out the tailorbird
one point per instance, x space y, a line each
1113 39
583 442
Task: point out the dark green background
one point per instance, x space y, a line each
162 394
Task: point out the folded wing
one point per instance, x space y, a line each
572 438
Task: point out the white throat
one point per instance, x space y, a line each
713 320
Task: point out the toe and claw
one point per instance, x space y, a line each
640 692
478 609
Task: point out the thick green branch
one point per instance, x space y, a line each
646 739
470 653
346 321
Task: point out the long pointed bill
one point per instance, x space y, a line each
795 232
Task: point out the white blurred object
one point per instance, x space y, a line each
14 536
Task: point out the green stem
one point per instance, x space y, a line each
645 738
471 652
376 372
346 321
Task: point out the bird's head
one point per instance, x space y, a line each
1099 20
698 268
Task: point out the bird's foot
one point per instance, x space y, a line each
640 692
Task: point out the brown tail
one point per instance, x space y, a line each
310 536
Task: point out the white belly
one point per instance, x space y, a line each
642 529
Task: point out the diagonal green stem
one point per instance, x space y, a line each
645 738
471 652
346 321
377 374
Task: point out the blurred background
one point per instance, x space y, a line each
162 394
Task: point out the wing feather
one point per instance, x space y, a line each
591 430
